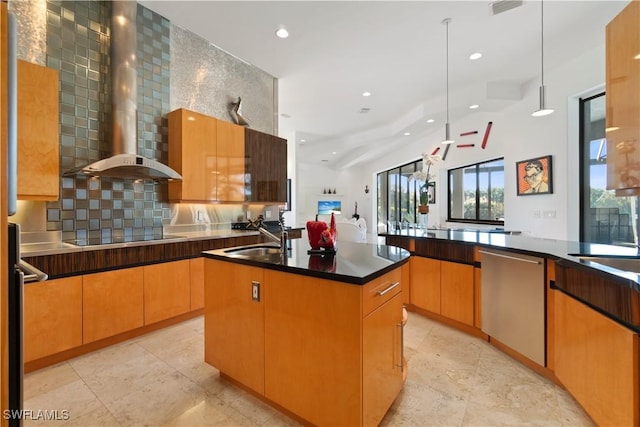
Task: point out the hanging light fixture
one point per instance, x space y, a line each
543 110
447 131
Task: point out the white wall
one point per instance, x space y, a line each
515 135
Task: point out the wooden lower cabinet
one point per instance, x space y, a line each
234 322
313 346
196 272
112 303
443 287
327 351
382 358
457 291
598 361
167 291
52 317
425 283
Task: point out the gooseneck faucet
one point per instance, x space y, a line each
258 224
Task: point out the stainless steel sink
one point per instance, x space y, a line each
258 253
624 263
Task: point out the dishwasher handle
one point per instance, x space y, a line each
530 261
31 273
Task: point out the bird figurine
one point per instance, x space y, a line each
236 114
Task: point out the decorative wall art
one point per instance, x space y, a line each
534 176
431 191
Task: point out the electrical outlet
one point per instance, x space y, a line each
255 291
549 214
267 214
248 214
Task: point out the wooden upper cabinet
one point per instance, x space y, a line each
231 177
623 101
38 136
266 167
192 153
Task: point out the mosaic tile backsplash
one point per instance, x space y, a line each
77 35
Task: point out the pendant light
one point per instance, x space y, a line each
543 110
447 132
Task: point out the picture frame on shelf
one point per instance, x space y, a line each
534 176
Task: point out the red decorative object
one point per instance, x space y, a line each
321 236
472 132
465 145
435 151
486 134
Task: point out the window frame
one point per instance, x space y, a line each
477 195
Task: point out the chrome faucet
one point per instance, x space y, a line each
258 224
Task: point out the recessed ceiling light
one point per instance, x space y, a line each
473 107
334 152
430 121
475 55
303 140
407 133
366 93
282 33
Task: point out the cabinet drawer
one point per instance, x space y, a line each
380 291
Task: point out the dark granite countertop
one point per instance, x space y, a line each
355 263
544 247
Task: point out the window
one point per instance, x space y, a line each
397 195
604 218
476 193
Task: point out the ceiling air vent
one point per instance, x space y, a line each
364 110
500 6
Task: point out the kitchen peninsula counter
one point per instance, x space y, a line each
615 294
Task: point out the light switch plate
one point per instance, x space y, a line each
255 291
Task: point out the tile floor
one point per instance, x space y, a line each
160 379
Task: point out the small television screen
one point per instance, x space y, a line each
325 207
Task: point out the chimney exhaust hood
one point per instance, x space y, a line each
125 161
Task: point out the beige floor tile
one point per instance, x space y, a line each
44 380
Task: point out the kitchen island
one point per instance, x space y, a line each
318 336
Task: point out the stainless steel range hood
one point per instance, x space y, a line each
125 161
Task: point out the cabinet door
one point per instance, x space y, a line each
266 167
456 291
230 149
52 317
38 137
192 153
313 338
112 303
196 270
382 360
623 100
597 361
425 283
234 322
166 290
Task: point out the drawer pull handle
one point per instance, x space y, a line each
389 289
510 257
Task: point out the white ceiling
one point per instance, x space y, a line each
394 49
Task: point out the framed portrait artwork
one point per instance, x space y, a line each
534 176
431 192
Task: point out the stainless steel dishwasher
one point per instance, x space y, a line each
513 308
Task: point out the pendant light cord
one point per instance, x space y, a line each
447 68
542 40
